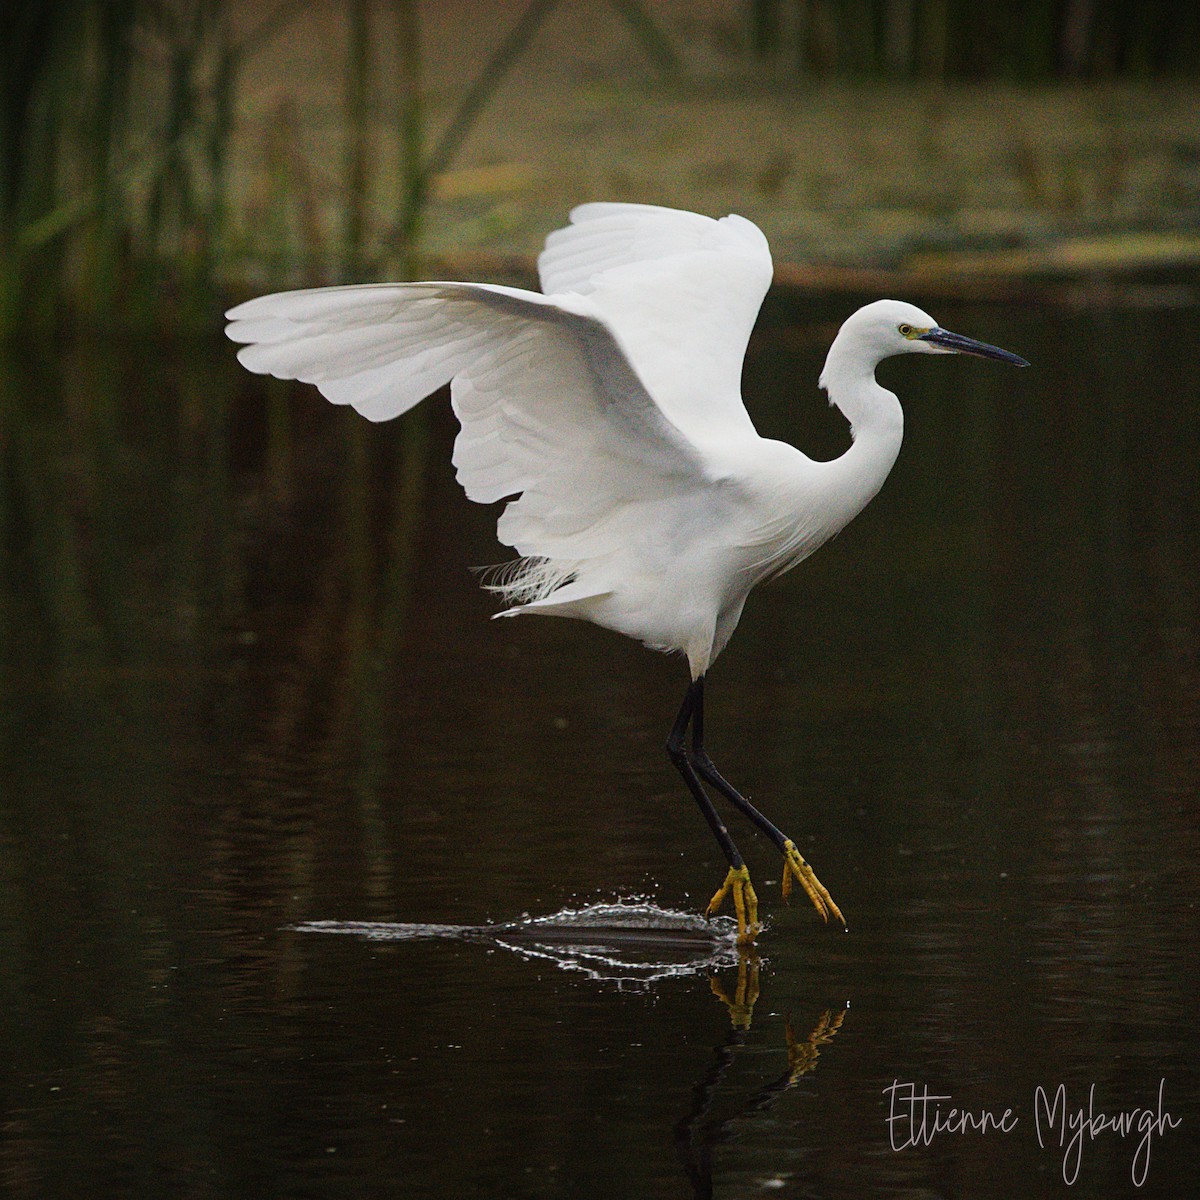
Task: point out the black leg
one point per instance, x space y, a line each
794 865
737 880
706 769
677 750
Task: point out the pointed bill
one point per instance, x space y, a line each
957 344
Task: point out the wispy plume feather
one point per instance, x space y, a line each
524 580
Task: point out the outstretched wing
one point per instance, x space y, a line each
549 406
680 291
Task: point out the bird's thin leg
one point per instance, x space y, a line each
794 864
737 880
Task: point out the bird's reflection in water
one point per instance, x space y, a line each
635 943
697 1133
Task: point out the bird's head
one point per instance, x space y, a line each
888 327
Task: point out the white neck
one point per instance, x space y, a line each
849 378
876 422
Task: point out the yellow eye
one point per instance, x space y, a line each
907 331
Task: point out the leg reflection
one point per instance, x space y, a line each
697 1133
741 1004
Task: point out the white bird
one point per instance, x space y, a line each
607 410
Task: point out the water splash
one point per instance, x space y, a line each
627 941
384 931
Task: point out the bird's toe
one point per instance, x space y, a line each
795 868
745 903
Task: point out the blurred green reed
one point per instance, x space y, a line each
117 125
117 122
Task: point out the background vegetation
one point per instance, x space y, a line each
124 183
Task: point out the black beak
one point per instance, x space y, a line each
966 345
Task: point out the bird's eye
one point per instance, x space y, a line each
906 331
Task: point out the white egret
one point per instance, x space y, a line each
607 410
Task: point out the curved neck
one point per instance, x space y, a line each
849 379
876 422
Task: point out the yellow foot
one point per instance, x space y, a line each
741 1003
794 865
745 902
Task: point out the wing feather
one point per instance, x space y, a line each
680 292
551 411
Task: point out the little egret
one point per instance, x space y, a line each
607 411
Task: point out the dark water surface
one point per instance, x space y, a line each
250 693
